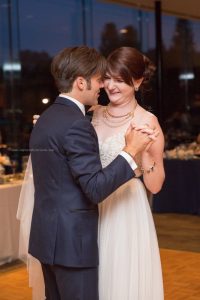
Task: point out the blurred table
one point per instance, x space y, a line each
9 225
181 189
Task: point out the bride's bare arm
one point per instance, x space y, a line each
152 161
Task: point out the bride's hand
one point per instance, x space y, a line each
152 133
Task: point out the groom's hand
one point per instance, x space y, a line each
153 133
35 118
136 141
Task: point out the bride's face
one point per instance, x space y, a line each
117 90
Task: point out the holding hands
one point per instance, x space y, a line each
139 138
152 133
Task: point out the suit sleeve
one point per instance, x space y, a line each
81 147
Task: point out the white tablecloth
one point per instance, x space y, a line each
9 225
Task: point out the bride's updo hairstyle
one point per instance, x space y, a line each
129 64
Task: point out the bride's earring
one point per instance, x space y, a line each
136 88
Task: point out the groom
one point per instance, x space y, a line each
69 180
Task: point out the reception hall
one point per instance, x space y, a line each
168 33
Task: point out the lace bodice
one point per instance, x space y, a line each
111 147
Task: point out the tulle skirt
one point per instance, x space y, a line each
24 214
130 267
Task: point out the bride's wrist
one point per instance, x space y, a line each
148 168
147 163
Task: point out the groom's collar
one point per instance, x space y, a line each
63 99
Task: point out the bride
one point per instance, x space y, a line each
130 267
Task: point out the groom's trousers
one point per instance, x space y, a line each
66 283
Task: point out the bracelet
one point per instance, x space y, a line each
151 169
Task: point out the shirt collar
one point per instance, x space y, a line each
79 104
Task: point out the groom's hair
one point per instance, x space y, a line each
72 62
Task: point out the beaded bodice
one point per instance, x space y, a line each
111 147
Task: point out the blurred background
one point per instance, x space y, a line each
31 32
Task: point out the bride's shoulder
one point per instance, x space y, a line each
96 108
148 117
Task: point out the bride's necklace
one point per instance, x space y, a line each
122 116
119 120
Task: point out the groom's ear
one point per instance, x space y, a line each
81 83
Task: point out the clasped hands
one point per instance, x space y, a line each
140 138
151 133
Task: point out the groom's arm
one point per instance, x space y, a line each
83 158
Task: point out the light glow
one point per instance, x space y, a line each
45 100
123 30
186 76
15 66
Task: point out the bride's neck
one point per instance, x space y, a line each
123 107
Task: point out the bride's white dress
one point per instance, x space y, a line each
130 267
24 214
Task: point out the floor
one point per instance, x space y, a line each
179 240
178 232
181 274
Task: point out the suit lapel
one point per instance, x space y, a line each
89 115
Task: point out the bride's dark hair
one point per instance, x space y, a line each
129 64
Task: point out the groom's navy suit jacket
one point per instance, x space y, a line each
69 183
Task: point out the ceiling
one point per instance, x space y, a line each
189 9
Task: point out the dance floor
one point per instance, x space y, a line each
181 272
179 240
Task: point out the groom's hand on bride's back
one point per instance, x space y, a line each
35 118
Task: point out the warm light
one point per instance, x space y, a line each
123 30
15 66
186 76
45 100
